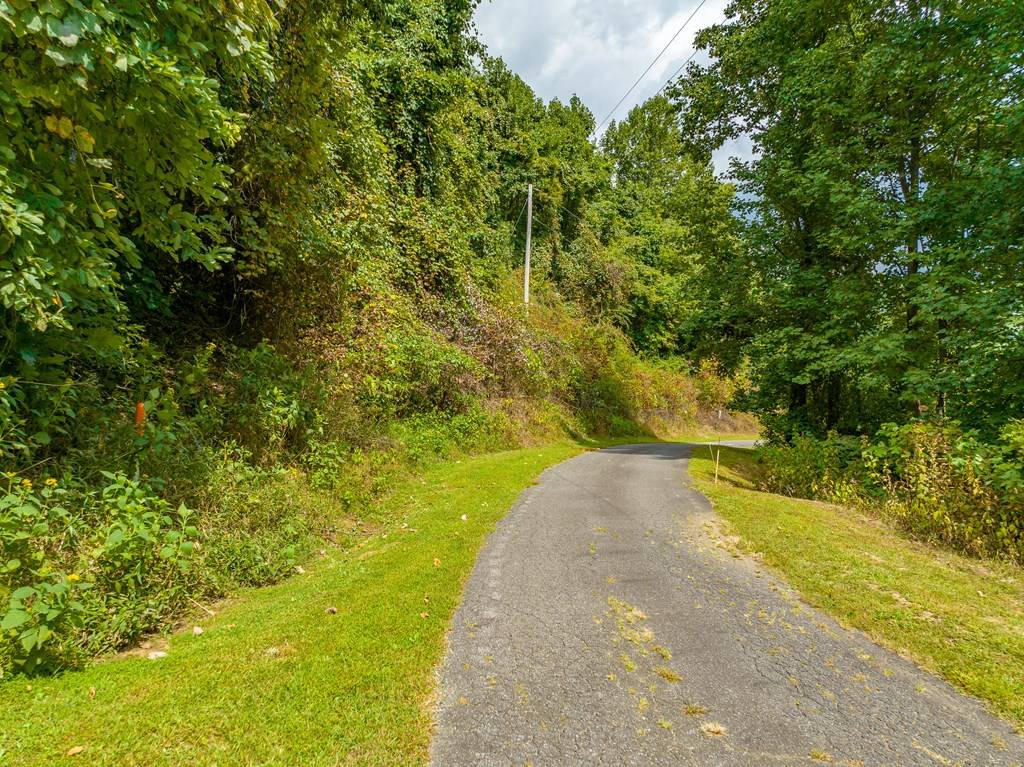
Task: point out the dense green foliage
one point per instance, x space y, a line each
258 259
885 264
678 235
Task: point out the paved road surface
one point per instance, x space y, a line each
606 623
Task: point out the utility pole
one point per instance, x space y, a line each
529 231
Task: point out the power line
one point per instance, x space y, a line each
649 67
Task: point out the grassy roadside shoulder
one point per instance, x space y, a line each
959 617
706 436
278 679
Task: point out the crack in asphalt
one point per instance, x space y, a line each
607 580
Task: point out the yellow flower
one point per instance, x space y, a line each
2 386
73 578
51 482
27 484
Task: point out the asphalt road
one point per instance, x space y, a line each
607 623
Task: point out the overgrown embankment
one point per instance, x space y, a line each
245 463
934 480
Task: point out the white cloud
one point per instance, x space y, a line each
596 49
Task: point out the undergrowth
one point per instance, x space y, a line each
934 480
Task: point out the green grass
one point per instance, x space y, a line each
713 436
274 679
962 618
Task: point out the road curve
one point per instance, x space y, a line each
606 623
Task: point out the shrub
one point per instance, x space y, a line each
827 470
432 435
713 389
269 404
88 569
934 480
255 524
325 460
947 485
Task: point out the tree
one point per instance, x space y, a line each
674 225
870 120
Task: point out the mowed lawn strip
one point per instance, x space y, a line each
274 679
959 617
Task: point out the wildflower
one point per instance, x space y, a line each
2 386
74 578
51 482
27 484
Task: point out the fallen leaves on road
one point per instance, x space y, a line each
668 674
713 729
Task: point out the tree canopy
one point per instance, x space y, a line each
884 202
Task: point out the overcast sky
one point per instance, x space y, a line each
596 48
